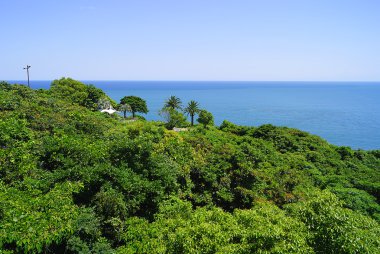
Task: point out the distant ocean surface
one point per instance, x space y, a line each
343 113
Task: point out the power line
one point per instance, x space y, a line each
27 71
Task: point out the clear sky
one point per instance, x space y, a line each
191 39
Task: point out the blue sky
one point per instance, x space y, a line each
191 39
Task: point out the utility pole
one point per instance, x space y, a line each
27 71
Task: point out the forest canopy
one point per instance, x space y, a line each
75 180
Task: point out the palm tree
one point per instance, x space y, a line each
173 102
191 109
125 108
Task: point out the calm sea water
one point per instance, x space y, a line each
346 114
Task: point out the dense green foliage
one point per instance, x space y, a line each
79 93
74 180
173 114
173 118
205 118
135 103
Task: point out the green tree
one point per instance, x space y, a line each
31 220
78 93
5 86
205 118
180 229
70 90
125 108
335 229
94 95
173 118
191 109
137 104
173 102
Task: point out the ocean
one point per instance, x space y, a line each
343 113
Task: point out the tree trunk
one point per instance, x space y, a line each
192 120
125 114
133 114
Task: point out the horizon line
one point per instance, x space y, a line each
163 80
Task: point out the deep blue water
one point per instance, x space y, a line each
346 114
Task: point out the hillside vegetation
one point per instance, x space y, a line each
74 180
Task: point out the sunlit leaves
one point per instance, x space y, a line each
32 220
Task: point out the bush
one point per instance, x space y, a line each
173 118
205 118
336 229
